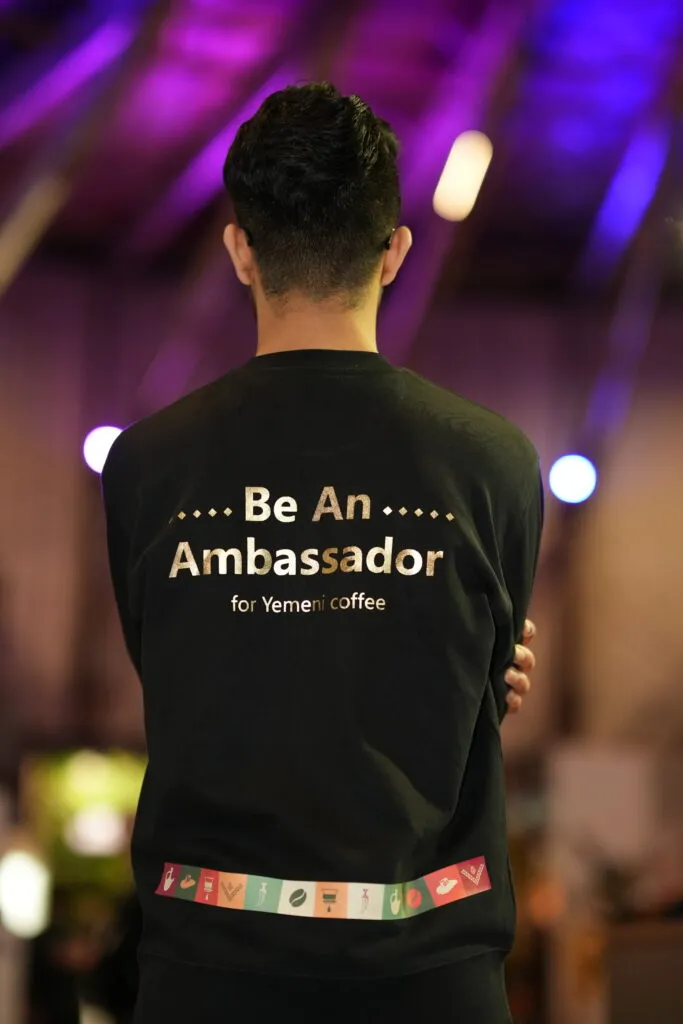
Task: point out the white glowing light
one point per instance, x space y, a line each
96 831
87 776
96 446
463 176
24 894
573 478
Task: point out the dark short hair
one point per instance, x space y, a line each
313 180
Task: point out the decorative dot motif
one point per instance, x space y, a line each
388 511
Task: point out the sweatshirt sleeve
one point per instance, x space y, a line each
120 504
519 557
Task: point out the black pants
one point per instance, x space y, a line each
471 992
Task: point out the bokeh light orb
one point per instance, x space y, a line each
24 894
573 478
96 831
96 446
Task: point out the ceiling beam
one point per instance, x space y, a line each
626 201
462 100
199 184
52 74
636 182
629 227
49 184
631 328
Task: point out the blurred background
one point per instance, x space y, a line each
546 282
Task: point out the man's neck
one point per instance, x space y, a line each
316 326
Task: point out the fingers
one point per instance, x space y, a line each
518 682
525 660
514 703
517 675
520 685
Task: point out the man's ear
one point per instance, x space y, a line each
241 253
401 241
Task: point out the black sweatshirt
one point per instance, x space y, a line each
322 564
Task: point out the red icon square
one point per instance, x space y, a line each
445 886
170 877
474 876
207 889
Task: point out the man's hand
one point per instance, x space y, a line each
517 677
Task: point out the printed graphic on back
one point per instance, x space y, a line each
331 899
263 894
474 876
207 890
232 889
365 902
186 888
169 880
393 909
298 899
356 901
417 898
445 886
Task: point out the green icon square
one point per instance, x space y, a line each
186 889
263 894
394 907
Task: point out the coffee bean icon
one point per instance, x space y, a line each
298 898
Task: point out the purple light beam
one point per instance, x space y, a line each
68 74
627 200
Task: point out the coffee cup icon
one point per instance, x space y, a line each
329 898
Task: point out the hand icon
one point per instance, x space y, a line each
395 902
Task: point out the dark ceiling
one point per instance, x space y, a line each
130 106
